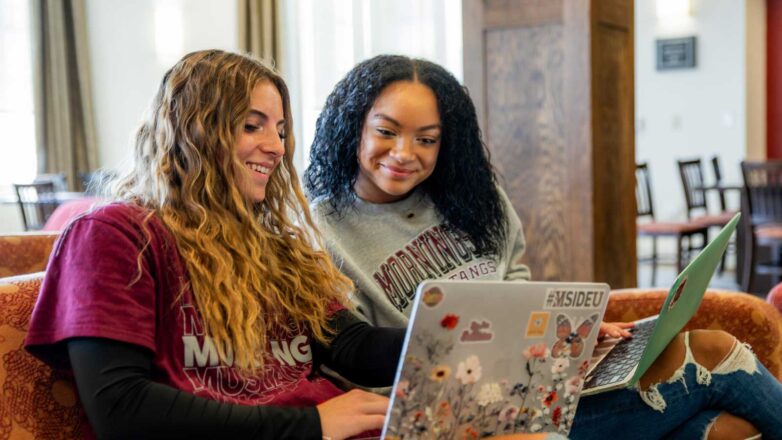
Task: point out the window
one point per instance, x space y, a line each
325 38
17 120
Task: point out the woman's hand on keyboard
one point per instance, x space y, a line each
615 330
352 413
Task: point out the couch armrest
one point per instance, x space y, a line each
25 252
37 401
746 317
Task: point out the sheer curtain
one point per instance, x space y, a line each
65 128
259 29
324 39
17 120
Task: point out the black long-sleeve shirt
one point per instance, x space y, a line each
122 401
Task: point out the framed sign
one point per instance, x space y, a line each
676 53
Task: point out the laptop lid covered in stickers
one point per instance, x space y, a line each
490 357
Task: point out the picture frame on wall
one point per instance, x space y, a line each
676 53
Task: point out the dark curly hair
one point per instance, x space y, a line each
463 185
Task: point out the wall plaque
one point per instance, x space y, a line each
675 53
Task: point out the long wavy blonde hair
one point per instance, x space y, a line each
252 267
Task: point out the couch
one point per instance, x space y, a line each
25 252
748 318
39 402
35 401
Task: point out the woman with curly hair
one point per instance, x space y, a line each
403 190
397 149
194 305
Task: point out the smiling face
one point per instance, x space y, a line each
399 143
259 144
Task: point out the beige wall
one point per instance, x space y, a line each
10 218
712 109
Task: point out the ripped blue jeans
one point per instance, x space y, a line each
686 405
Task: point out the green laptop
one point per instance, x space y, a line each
621 363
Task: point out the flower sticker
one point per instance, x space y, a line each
489 393
439 373
508 414
537 351
550 398
449 321
573 385
443 409
402 388
582 369
519 389
414 362
469 371
556 416
560 365
469 433
432 297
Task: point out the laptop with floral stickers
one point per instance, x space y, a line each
486 358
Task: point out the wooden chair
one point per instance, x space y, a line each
763 188
691 173
37 202
715 166
649 227
58 179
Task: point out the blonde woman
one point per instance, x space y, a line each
193 305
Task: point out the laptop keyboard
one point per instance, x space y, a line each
621 360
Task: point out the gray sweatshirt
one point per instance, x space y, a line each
388 249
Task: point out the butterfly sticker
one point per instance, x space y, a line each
571 343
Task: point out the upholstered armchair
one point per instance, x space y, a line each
748 318
25 252
35 401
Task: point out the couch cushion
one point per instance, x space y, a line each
746 317
25 252
35 401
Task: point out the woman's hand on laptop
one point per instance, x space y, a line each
352 413
615 330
